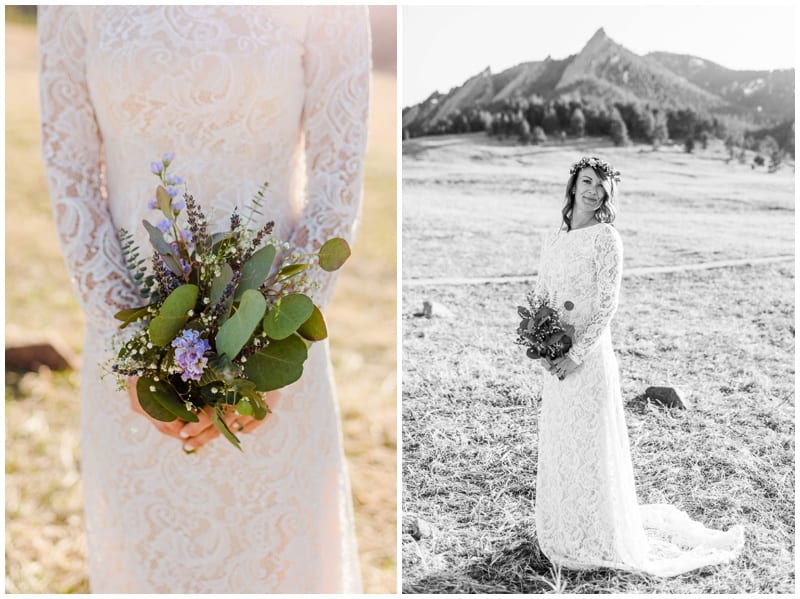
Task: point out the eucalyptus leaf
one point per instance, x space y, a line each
161 402
314 329
218 238
173 315
286 316
164 250
232 335
290 270
245 407
219 368
219 422
278 364
219 283
333 254
130 315
256 270
149 401
164 202
260 410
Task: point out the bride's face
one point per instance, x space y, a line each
589 192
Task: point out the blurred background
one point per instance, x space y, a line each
45 540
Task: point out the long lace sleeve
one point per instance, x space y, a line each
608 270
72 154
337 64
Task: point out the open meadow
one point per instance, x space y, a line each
476 207
45 541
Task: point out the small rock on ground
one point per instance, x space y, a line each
670 397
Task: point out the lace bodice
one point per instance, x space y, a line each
242 95
593 290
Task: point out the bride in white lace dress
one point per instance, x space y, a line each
242 95
587 514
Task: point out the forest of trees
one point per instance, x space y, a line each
535 120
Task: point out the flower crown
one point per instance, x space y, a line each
597 164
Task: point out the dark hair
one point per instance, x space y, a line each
607 211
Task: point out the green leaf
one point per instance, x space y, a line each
287 315
160 402
173 315
162 247
164 202
287 272
245 407
219 422
314 329
333 254
149 401
277 365
255 270
219 283
260 410
218 238
130 315
232 335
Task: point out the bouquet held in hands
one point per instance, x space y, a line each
222 324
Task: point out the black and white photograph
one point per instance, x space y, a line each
598 324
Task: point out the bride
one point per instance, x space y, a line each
241 95
586 508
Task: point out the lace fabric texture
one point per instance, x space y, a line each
587 514
242 95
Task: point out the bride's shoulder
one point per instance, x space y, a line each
608 233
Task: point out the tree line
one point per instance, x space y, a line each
534 120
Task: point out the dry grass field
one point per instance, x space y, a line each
45 543
476 207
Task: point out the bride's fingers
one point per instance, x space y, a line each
193 429
171 429
200 439
253 424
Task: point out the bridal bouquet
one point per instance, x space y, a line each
222 325
542 331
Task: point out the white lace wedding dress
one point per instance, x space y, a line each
242 95
587 514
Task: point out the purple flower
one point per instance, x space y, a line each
186 266
178 205
189 350
172 191
167 158
153 203
164 225
156 167
174 180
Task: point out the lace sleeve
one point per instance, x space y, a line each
608 270
72 155
337 64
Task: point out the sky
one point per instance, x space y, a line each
443 46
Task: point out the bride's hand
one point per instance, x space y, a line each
562 367
196 434
171 429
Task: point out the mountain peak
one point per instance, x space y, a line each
600 34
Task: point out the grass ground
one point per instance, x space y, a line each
45 543
470 396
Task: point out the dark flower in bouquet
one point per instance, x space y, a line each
224 320
542 331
